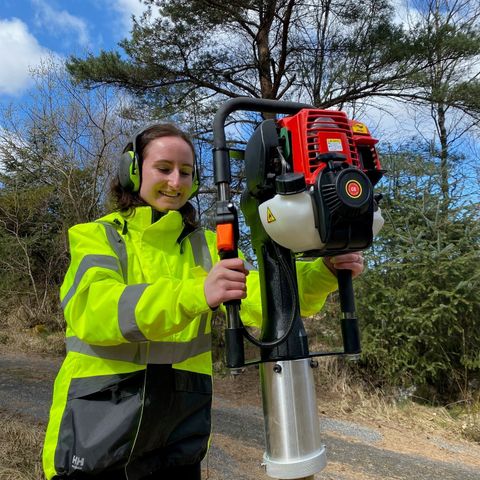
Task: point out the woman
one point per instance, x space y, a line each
133 397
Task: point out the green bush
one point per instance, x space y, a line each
418 300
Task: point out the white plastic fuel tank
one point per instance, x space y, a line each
289 221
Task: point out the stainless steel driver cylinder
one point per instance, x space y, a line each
292 431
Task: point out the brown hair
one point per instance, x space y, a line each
125 200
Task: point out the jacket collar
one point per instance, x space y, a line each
145 219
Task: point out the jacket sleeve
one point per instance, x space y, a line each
315 283
101 309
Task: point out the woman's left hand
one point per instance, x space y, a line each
346 261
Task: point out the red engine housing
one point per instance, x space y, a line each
314 132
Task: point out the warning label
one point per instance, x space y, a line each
360 128
334 145
270 217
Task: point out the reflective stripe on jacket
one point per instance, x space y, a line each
133 298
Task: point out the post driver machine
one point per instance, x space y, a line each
309 192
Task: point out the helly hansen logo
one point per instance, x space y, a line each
77 462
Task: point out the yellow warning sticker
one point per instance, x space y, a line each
270 216
358 127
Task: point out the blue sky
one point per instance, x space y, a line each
33 29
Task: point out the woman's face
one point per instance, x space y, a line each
167 170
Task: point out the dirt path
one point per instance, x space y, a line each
354 451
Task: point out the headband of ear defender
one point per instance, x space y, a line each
130 162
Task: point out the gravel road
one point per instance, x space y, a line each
354 451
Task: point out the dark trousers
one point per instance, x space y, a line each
188 472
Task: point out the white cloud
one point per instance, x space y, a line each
402 12
127 8
394 121
59 22
19 52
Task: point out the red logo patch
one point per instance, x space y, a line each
353 189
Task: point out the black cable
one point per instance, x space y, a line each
292 285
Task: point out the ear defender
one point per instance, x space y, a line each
129 167
195 180
129 172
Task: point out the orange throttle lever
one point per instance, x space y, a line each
227 238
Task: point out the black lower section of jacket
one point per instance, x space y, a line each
104 426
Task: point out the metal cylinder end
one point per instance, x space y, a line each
294 448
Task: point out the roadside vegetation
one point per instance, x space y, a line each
20 451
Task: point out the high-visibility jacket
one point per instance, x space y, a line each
133 394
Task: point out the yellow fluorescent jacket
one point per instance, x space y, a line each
133 295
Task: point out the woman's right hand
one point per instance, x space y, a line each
227 280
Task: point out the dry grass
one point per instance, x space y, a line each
340 395
20 448
23 331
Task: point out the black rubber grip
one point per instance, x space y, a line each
234 351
